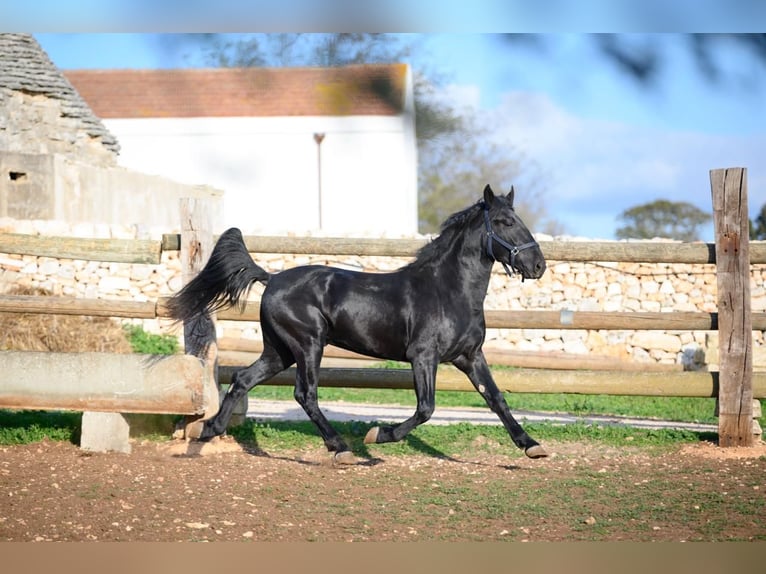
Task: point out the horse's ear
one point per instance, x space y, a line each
489 196
510 196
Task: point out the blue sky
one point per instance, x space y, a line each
603 141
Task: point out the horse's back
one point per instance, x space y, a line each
362 312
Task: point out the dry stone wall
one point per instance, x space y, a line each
571 286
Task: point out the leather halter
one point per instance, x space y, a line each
512 249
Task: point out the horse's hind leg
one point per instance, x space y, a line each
268 364
424 372
306 384
481 378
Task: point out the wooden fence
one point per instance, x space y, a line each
735 388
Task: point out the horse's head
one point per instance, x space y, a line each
507 238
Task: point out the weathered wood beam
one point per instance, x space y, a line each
614 320
576 251
732 231
105 382
239 349
112 250
650 384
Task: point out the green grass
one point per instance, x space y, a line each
23 427
454 439
149 343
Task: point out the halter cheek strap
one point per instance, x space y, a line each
512 249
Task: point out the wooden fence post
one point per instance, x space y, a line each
196 247
732 234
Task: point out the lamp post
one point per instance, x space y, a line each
318 138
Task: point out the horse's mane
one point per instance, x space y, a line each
452 228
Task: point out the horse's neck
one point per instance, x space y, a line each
472 268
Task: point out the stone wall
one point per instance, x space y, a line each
572 286
39 124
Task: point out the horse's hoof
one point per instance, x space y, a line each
372 435
536 451
345 457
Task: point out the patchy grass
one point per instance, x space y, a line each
454 439
23 427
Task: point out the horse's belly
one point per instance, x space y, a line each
377 347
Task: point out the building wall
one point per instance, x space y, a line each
61 188
52 168
269 169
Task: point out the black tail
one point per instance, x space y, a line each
226 279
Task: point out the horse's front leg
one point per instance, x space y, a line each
424 372
478 372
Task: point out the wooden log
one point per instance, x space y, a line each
105 382
731 222
113 250
592 320
508 358
650 384
576 251
343 246
74 306
199 332
196 247
589 320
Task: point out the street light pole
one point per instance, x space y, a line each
318 138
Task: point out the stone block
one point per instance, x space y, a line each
105 432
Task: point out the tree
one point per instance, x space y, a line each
460 163
662 218
758 227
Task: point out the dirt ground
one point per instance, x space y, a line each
172 491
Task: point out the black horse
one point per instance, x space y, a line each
427 312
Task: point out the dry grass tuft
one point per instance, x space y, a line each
59 333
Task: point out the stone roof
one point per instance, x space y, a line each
375 89
25 67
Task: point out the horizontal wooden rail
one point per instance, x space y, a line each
106 382
74 306
578 251
149 251
112 250
590 320
233 351
650 384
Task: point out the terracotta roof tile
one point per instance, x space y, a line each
235 92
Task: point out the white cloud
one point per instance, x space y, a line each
597 169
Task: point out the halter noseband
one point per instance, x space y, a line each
512 249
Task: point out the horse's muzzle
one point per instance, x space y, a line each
532 265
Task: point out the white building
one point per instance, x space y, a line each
293 149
